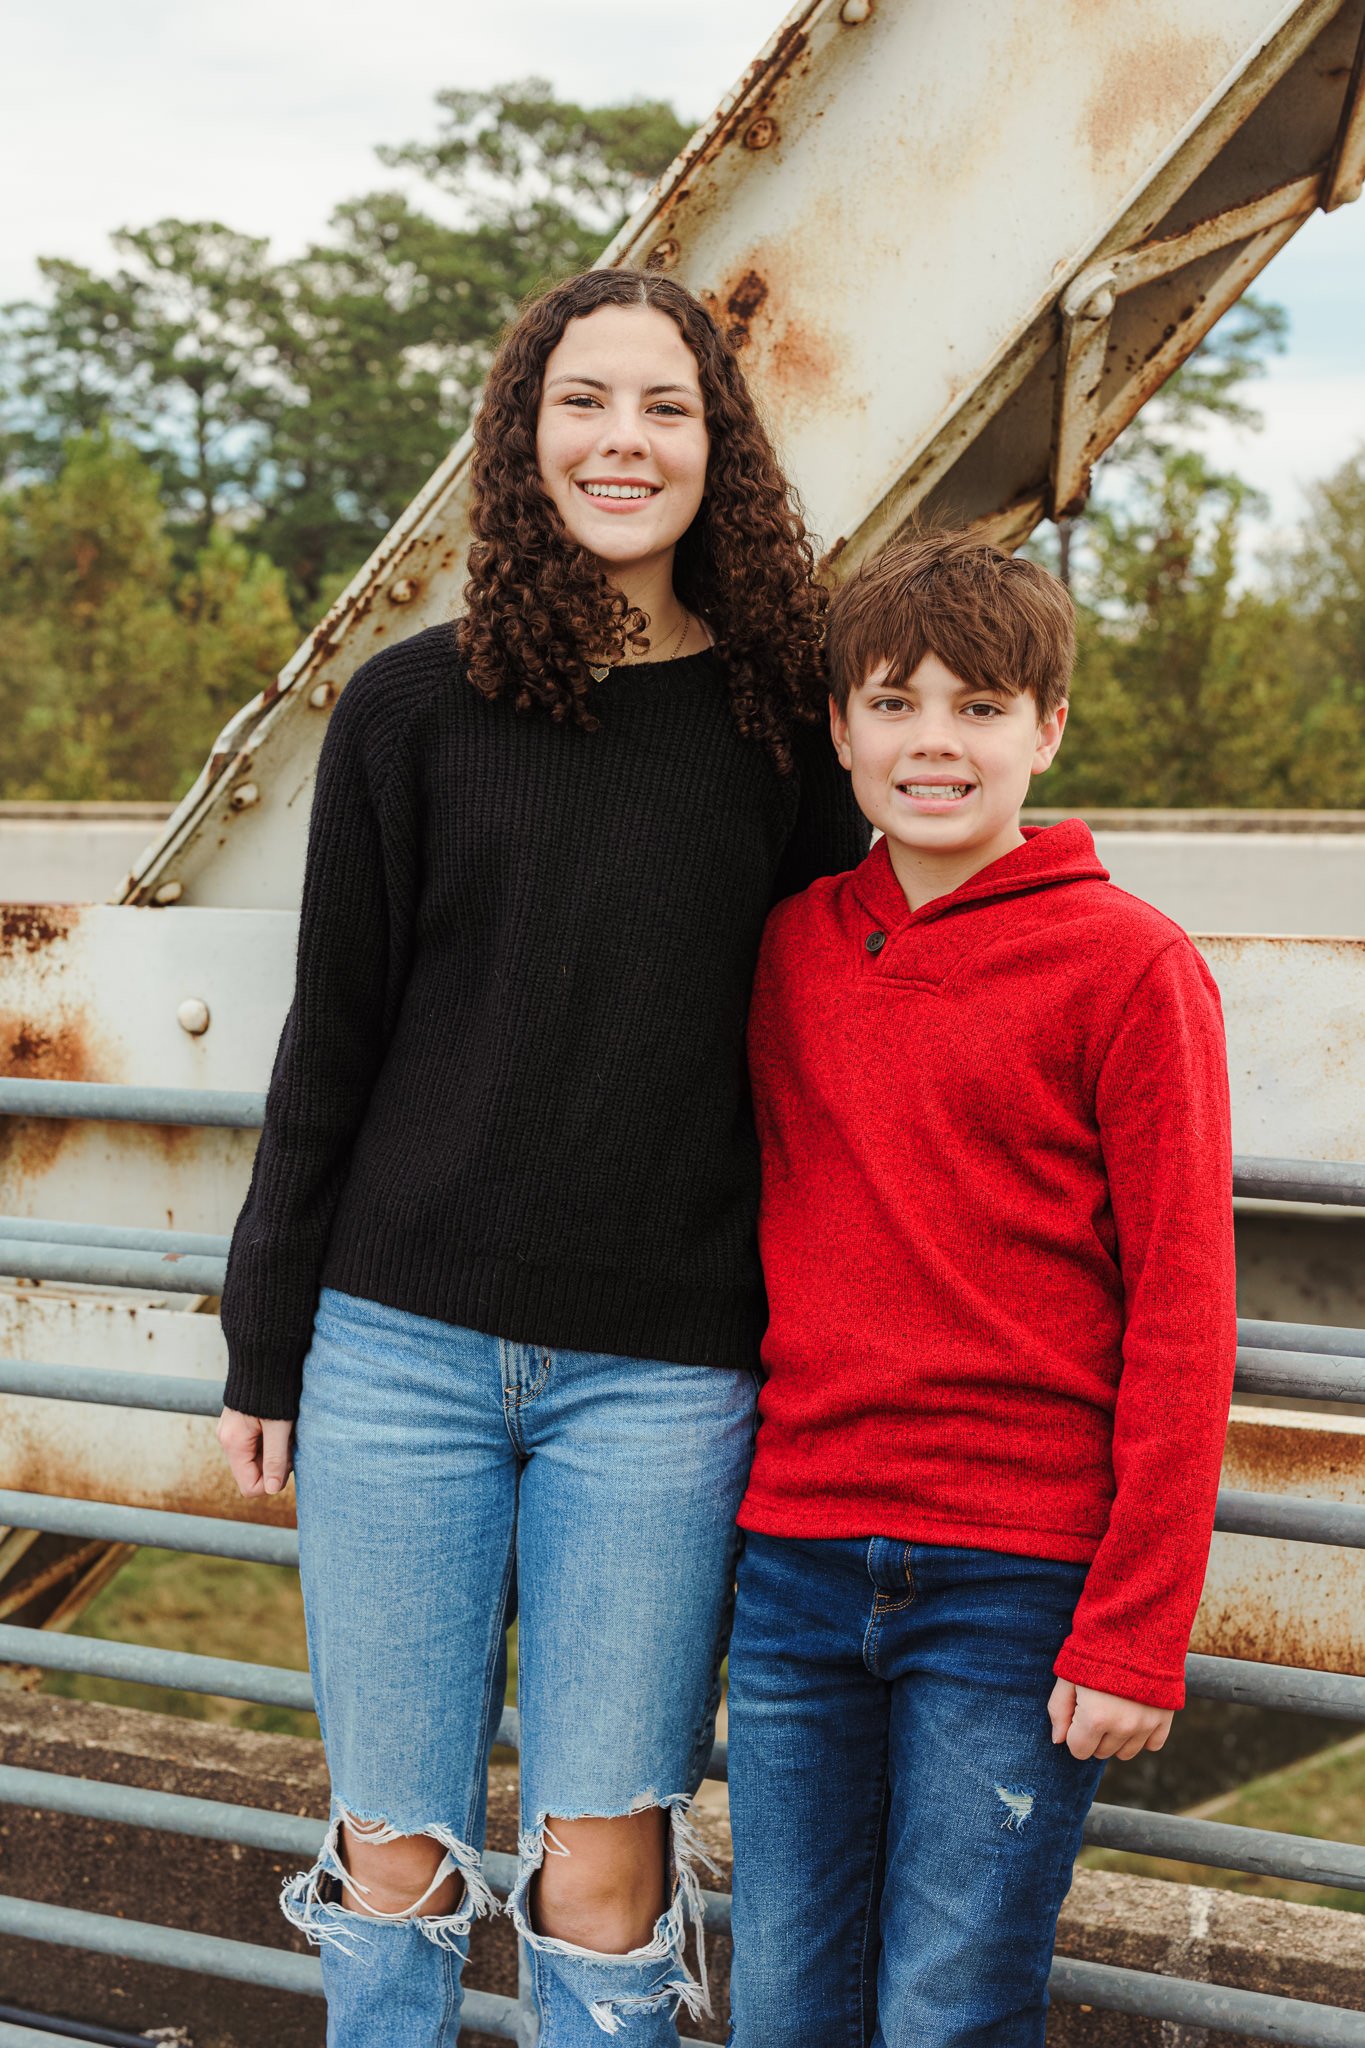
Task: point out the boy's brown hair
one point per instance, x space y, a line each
997 620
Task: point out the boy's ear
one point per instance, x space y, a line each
838 729
1050 732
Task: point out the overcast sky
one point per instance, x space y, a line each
265 114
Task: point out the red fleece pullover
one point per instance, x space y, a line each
996 1230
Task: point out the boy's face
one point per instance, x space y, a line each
943 767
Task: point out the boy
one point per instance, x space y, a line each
996 1228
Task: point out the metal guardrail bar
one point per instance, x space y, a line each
1324 1340
1292 1180
267 1685
1216 1844
167 1393
91 1265
1239 1513
115 1237
1309 1375
1216 2006
111 1102
212 1954
1312 1376
1338 1182
37 2026
1222 1846
204 1534
245 1962
1219 2007
35 2037
1335 1694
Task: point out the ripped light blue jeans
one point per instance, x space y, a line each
443 1477
904 1826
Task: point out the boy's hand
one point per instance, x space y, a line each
1103 1725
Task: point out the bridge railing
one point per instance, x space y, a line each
1305 1361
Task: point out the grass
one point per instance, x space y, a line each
211 1605
1324 1796
216 1608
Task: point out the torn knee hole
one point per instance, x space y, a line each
370 1871
665 1943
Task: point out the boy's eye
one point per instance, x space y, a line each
988 710
888 703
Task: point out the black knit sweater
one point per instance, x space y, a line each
510 1092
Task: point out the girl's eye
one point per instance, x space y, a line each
580 398
666 406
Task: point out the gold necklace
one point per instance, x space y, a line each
599 675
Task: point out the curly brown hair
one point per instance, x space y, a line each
538 603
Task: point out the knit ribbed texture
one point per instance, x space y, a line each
510 1092
997 1235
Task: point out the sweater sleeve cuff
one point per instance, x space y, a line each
1125 1681
267 1387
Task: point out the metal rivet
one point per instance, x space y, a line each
760 134
663 255
244 796
875 941
169 892
404 590
854 11
193 1016
320 696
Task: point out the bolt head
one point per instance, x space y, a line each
320 696
760 134
193 1016
244 796
403 591
169 892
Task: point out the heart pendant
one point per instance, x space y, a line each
599 675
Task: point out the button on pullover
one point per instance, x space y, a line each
997 1235
510 1092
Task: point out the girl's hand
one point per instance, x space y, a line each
1101 1724
260 1453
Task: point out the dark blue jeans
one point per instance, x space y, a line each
904 1826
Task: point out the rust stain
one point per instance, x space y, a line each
802 361
1138 89
85 1464
37 1052
29 927
1262 1458
1259 1634
743 300
757 89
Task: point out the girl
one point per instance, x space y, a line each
498 1252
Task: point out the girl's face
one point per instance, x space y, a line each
621 437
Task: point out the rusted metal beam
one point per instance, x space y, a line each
1087 307
1169 253
1346 172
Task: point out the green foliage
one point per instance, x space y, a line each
1191 693
310 400
117 668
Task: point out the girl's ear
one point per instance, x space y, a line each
838 728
